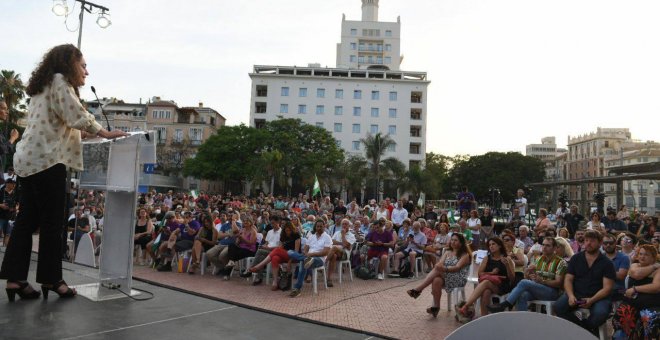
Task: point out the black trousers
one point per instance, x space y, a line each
42 202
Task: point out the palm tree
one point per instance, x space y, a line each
375 147
13 91
272 161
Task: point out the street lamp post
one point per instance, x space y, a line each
60 8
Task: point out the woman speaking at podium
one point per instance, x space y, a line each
50 145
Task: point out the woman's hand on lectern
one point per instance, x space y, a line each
111 134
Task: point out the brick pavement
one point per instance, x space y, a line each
380 307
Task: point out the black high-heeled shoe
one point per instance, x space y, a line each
414 293
20 290
54 287
433 311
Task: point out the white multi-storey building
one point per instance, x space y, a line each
546 151
356 98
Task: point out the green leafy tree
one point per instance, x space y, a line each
306 150
13 91
284 151
233 153
505 171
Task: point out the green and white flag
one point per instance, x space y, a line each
317 187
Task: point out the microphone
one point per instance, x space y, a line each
101 107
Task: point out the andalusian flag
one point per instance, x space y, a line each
317 187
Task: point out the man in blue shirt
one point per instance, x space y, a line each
621 265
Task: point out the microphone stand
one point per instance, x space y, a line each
101 107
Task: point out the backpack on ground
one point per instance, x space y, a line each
404 269
365 272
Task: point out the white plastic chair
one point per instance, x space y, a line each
419 265
315 272
538 304
450 293
347 262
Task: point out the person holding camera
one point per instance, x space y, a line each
588 284
7 208
413 247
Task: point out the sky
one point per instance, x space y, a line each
504 73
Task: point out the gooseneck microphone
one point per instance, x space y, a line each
101 107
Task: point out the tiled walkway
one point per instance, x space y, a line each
380 307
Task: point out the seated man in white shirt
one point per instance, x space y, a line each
342 241
412 247
316 249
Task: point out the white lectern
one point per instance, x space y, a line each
114 166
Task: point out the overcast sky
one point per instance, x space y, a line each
504 73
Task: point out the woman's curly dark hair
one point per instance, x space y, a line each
60 59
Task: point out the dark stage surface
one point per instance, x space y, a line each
169 315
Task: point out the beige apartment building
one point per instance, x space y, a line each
179 132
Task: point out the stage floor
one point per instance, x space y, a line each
170 314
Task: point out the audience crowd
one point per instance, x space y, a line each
590 269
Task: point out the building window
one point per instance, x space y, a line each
356 128
373 129
178 136
375 95
388 33
320 93
388 47
371 32
339 110
392 113
362 47
284 92
391 129
393 96
338 143
415 131
360 60
319 124
415 114
161 134
161 114
356 145
353 31
415 148
415 97
262 91
302 109
260 107
302 92
374 112
320 109
338 127
357 94
284 108
357 111
195 136
391 148
339 93
353 59
353 46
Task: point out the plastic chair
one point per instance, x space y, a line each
347 262
451 293
419 265
315 272
540 303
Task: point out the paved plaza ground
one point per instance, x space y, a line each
378 307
